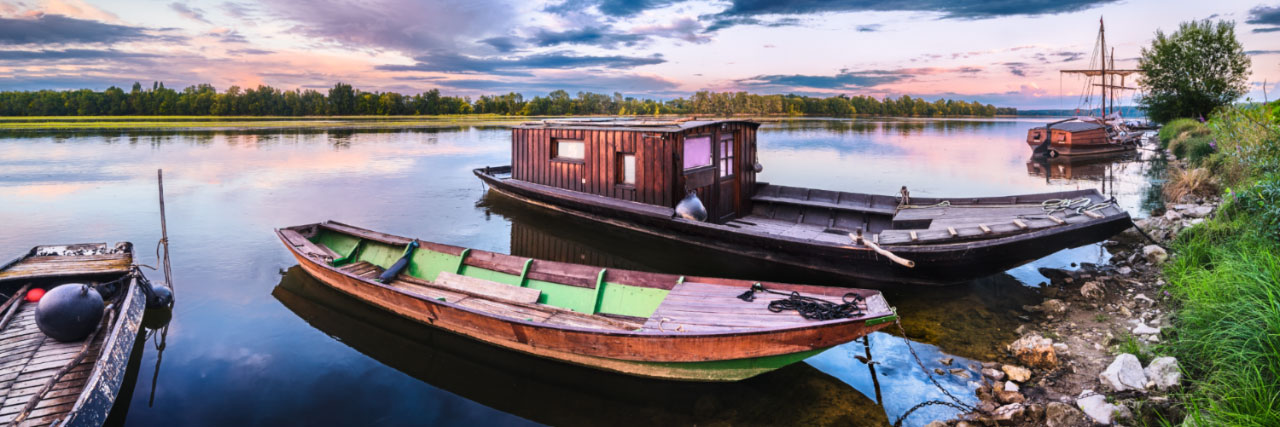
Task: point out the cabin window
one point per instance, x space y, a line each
697 152
726 155
568 149
626 168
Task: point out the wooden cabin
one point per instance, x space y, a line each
1079 135
651 162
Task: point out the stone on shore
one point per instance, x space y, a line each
1143 329
1009 414
1053 306
1164 373
1035 351
1124 373
1096 407
1004 396
1058 414
1154 254
1016 373
994 374
1093 290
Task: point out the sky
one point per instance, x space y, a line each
1004 52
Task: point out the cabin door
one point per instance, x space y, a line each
727 174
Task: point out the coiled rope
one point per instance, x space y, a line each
809 307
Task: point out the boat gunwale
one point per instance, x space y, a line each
603 332
924 247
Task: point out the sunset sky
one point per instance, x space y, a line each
1002 52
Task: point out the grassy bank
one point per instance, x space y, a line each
1225 277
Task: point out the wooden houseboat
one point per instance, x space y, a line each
645 324
634 174
47 382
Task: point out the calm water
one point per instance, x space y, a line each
254 341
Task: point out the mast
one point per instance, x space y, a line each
1102 32
1112 87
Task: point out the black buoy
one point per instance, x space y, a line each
160 296
69 312
691 208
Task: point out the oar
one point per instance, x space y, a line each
858 240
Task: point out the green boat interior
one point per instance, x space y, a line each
551 293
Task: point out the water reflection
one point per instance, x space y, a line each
238 357
554 393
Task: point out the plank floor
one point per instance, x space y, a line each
28 359
701 307
46 266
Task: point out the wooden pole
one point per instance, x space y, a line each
897 259
164 232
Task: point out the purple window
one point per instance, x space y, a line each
697 152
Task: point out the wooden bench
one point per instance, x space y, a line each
486 288
307 247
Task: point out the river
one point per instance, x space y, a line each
254 341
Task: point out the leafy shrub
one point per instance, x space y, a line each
1177 127
1198 148
1248 136
1263 201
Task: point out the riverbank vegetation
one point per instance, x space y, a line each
344 100
1225 277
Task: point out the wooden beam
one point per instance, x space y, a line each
1020 224
985 229
952 231
1060 221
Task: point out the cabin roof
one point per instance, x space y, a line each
1074 126
643 125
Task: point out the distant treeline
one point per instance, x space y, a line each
1126 111
343 100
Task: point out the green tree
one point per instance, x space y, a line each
1194 70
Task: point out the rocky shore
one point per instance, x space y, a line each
1084 356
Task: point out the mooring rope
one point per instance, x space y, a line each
809 307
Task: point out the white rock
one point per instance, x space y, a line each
1144 298
1143 329
1096 407
1124 271
1021 374
993 373
1163 371
1154 254
1053 306
1124 373
1199 211
1010 386
1195 222
1172 215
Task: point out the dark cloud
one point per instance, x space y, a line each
594 36
1060 56
249 52
229 36
1261 52
868 28
410 26
722 22
572 83
1017 68
69 54
741 11
846 79
843 80
502 44
613 8
1266 16
237 10
455 63
188 12
47 29
687 29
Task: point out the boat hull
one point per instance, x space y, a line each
685 357
935 265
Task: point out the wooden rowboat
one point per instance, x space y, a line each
644 324
41 379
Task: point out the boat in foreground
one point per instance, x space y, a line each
640 175
48 382
645 324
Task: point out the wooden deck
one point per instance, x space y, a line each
49 266
701 307
28 359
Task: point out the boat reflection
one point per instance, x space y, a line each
555 393
1098 169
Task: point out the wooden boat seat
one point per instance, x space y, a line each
824 199
702 307
486 288
29 360
934 225
307 247
491 297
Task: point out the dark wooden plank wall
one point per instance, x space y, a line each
745 159
531 161
531 242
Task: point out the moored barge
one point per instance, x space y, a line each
634 174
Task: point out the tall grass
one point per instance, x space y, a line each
1177 127
1225 279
